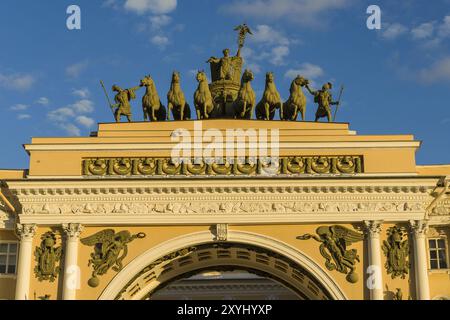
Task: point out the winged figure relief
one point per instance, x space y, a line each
110 248
334 242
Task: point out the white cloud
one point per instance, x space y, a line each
423 31
308 70
65 116
61 114
17 81
85 121
267 35
83 106
23 116
43 101
160 41
81 93
70 128
75 70
271 46
444 28
157 22
19 107
153 6
393 31
439 71
305 12
278 55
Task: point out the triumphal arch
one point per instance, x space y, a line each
223 205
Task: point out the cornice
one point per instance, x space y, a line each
111 188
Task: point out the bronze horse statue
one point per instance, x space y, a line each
297 101
265 109
176 102
246 100
202 97
153 109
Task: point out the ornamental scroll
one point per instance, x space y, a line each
165 166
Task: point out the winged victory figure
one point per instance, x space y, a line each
334 242
110 248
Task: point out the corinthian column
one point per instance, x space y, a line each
375 280
26 233
418 231
71 280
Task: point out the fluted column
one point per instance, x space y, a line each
375 280
26 234
418 231
71 269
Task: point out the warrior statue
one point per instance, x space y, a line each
225 65
324 100
122 100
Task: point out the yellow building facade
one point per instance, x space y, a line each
111 216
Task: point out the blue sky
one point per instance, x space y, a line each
397 79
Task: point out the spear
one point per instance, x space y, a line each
107 97
338 103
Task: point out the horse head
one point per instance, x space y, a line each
175 77
147 81
301 81
247 76
201 76
269 77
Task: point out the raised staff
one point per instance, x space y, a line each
338 103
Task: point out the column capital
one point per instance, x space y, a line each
72 230
372 227
26 231
418 227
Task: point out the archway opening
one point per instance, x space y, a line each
260 266
225 283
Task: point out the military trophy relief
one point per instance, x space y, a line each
396 250
47 256
229 95
314 165
334 241
110 249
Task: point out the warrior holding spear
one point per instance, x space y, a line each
324 99
122 99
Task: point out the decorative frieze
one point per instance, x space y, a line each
221 207
260 166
